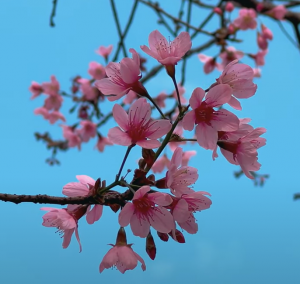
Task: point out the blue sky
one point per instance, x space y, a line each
249 235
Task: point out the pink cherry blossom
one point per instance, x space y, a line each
122 257
51 88
87 131
165 52
137 127
53 102
160 99
89 92
102 142
184 207
143 212
240 78
267 33
229 7
178 177
96 70
186 156
36 89
122 77
217 10
104 51
130 97
278 12
208 120
259 57
64 222
210 63
229 55
246 19
262 42
243 151
51 116
71 136
84 187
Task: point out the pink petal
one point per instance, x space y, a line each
196 98
107 87
181 44
120 116
148 144
86 179
129 70
176 158
190 225
181 211
126 214
141 261
75 189
140 226
188 121
207 137
117 136
127 258
233 102
67 237
218 95
159 198
109 259
161 220
158 44
139 111
95 214
159 128
141 192
78 239
224 120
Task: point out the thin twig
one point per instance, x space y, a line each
52 24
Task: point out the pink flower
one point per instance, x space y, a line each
246 19
143 212
87 131
102 142
260 57
121 255
266 33
256 72
186 156
96 70
51 88
218 10
278 12
64 222
240 78
71 136
122 77
210 63
261 41
84 187
160 164
137 127
89 92
229 7
36 89
167 53
178 177
53 102
243 151
184 207
51 116
208 120
160 99
229 55
104 51
130 97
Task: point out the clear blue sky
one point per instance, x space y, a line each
249 235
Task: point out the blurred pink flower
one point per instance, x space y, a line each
102 142
51 116
246 19
53 102
186 156
160 164
210 63
217 10
71 136
229 55
51 88
160 99
208 120
278 12
89 92
36 89
88 130
137 127
96 70
104 51
229 7
165 52
122 77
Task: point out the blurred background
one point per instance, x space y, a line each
249 235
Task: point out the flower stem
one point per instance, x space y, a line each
177 92
124 160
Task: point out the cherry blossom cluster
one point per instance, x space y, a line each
246 20
143 206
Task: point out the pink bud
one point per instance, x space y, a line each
218 11
259 7
229 7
